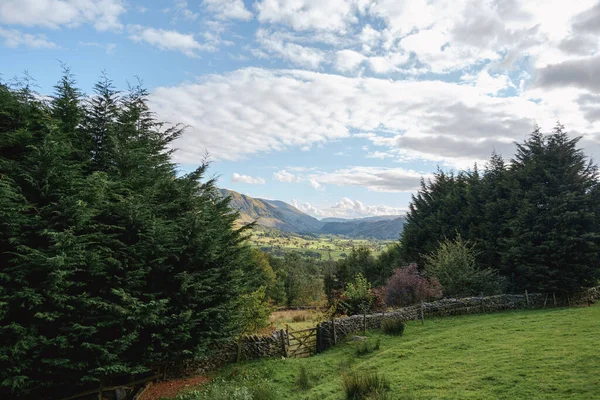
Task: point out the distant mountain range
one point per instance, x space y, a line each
280 215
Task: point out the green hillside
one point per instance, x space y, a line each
537 354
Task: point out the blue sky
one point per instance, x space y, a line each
338 106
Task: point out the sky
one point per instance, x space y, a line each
338 107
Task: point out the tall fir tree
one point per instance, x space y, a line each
554 239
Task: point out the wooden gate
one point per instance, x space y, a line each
301 343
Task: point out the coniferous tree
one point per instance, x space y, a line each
110 261
554 235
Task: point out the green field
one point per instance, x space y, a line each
537 354
336 247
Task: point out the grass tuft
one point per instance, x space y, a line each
360 385
393 327
363 348
303 380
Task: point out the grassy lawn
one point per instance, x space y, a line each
538 354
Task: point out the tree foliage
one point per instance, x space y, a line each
408 285
535 220
110 261
453 264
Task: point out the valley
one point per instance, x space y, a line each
280 228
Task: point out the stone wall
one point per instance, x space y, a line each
448 307
249 348
253 347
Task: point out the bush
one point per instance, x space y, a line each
303 380
393 327
453 263
363 348
408 286
362 385
358 297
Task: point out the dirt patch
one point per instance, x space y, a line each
159 390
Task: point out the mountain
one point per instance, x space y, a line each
366 228
371 219
280 215
272 213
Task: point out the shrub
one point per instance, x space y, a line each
363 348
303 380
408 286
453 263
255 311
362 385
393 327
358 296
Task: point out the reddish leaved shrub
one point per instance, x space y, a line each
408 286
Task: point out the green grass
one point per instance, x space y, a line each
537 354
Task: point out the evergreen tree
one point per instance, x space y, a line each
554 235
109 261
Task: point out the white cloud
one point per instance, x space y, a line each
228 9
254 110
168 40
103 14
377 179
330 15
15 38
247 179
348 208
284 176
182 10
348 60
316 185
296 54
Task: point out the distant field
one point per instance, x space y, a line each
296 319
321 247
538 354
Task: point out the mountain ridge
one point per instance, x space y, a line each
285 217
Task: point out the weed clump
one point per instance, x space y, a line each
363 348
393 327
360 385
303 380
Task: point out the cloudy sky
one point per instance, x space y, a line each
336 106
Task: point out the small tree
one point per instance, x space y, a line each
409 286
358 296
453 263
255 311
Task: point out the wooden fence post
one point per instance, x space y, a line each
364 320
568 300
239 349
554 297
422 315
333 329
319 345
281 332
527 297
545 300
482 304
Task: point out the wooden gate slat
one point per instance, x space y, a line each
302 342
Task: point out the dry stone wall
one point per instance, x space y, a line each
253 347
448 307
